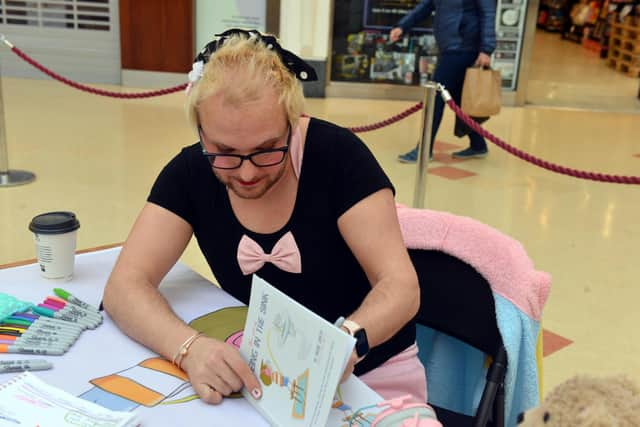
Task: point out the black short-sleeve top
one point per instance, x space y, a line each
338 171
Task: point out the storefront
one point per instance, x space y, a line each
362 62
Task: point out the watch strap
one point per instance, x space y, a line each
351 326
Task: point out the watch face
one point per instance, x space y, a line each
362 343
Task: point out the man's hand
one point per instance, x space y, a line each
483 60
395 34
216 370
348 370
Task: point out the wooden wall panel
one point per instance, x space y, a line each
157 35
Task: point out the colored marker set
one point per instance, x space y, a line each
50 329
58 308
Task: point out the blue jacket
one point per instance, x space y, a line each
458 25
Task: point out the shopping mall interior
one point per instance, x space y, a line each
585 56
98 157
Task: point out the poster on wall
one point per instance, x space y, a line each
214 17
247 14
385 14
510 21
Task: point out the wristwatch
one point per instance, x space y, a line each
358 332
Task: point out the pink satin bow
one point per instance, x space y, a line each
285 255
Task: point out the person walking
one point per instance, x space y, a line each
465 35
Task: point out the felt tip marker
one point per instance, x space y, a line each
55 301
4 348
6 335
34 342
13 325
73 309
12 329
73 313
49 306
17 321
60 323
48 335
86 312
46 330
45 327
7 366
56 330
59 316
42 334
73 300
25 315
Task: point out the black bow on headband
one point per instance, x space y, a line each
294 63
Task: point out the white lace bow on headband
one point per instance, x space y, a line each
197 70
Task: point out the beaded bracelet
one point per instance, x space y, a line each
184 349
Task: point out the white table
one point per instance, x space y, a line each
107 351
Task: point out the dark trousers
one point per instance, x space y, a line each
450 72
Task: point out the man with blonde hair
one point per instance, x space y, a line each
329 223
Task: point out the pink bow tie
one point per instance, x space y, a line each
285 255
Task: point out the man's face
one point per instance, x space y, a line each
245 129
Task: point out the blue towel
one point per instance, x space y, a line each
456 371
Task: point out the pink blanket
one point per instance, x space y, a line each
501 260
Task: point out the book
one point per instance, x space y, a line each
298 357
27 400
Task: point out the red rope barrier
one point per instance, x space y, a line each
101 92
406 113
594 176
93 90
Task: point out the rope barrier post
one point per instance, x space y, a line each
428 105
9 178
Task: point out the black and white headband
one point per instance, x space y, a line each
296 65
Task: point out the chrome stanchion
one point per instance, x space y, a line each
9 178
428 105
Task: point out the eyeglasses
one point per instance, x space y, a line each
261 158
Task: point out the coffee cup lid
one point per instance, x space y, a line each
54 223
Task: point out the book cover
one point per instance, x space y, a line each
297 356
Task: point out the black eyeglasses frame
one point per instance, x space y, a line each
212 156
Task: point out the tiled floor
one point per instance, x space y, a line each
565 74
98 157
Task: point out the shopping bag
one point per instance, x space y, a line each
482 92
462 129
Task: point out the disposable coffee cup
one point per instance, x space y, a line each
54 234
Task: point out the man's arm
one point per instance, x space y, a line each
372 231
132 299
421 11
131 295
487 26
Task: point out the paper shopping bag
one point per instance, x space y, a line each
482 92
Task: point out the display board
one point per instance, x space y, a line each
510 22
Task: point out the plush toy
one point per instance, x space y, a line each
584 401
